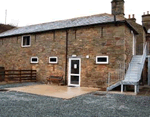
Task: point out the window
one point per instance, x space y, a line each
26 41
102 60
34 60
53 60
148 30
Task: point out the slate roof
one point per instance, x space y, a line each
75 22
135 25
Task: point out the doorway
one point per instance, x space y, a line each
74 72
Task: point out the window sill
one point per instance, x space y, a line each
26 46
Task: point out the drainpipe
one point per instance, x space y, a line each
66 57
115 20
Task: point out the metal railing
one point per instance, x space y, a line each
141 63
128 69
116 76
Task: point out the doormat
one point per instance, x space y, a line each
71 86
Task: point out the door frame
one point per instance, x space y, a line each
69 72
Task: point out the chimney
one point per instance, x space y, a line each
129 17
132 15
133 18
117 7
146 20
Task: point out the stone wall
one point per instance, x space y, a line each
89 41
43 45
100 40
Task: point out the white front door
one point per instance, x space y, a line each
74 72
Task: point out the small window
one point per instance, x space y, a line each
102 60
53 60
34 60
26 41
148 30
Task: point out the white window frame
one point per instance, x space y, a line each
22 41
53 57
70 74
33 61
102 62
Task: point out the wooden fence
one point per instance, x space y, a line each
18 75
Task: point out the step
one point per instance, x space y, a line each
113 86
132 72
131 78
131 75
135 61
137 56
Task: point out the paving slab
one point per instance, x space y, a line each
54 91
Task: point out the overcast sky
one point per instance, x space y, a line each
28 12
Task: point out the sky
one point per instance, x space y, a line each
29 12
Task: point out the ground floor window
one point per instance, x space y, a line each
101 59
34 60
53 60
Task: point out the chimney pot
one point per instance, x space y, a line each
132 15
129 17
147 12
143 13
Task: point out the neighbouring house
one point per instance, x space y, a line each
146 26
4 27
85 49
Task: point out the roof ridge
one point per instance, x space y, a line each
61 24
67 19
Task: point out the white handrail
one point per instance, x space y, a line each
129 69
141 64
144 52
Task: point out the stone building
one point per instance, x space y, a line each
85 49
146 26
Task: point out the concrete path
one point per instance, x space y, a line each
54 91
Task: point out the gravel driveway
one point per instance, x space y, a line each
17 104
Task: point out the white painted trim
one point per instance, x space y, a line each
102 62
53 57
22 41
69 72
33 61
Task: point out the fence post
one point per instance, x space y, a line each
120 74
5 76
20 75
108 78
31 75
